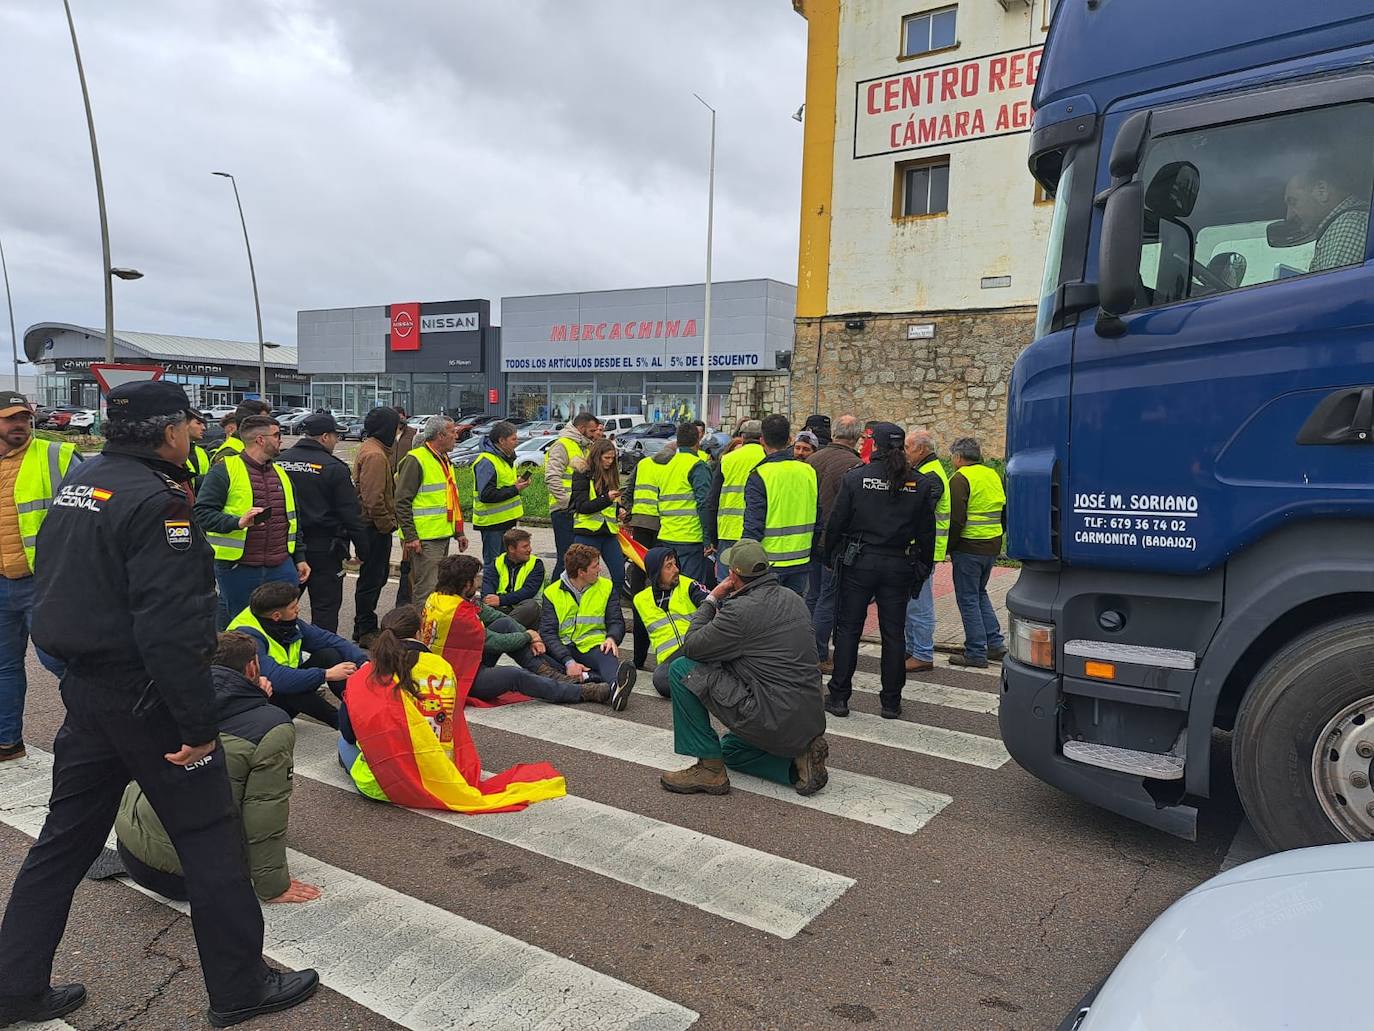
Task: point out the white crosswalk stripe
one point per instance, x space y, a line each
898 807
754 888
406 960
931 694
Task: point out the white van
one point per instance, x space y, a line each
613 424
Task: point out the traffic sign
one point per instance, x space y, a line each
110 376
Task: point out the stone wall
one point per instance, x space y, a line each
955 383
754 396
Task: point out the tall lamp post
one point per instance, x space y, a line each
257 308
710 220
14 340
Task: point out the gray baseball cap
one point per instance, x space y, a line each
747 558
752 429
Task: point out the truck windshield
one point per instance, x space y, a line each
1054 253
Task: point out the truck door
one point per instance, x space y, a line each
1226 400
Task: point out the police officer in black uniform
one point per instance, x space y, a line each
120 547
328 514
880 541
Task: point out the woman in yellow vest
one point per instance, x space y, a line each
665 606
596 508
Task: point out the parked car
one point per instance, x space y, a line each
468 424
80 420
56 420
530 454
351 429
219 411
465 451
485 428
291 424
715 443
541 428
646 447
645 431
611 425
1259 946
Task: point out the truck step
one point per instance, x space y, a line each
1160 766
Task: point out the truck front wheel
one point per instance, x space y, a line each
1303 749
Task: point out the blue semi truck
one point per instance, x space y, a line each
1190 436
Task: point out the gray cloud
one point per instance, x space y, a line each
413 150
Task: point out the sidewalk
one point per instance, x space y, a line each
949 630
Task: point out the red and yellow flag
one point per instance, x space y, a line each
632 549
418 752
451 629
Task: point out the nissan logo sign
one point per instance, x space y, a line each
403 325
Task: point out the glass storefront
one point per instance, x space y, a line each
78 387
419 393
658 399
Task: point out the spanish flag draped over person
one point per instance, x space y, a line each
415 749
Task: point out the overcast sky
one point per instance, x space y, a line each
408 150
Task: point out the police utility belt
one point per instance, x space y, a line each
853 547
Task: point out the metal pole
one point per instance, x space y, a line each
99 192
14 340
252 275
710 221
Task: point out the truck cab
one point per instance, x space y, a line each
1190 437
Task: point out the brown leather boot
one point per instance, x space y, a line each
915 665
707 775
596 692
811 773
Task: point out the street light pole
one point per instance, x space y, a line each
99 191
252 275
14 340
710 221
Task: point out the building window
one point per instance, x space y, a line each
924 33
921 188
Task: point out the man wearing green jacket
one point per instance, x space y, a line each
258 740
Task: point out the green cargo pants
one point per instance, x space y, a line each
694 735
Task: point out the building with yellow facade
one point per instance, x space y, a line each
922 233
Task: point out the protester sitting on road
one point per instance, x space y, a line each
461 627
749 660
403 738
666 606
583 624
298 657
258 740
515 580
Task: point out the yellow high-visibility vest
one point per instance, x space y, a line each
581 622
933 465
484 514
648 475
229 544
281 656
789 525
429 508
593 522
986 499
503 574
679 520
734 474
667 629
44 464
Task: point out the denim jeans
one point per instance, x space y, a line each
612 559
920 624
236 584
493 546
16 612
795 577
981 629
823 615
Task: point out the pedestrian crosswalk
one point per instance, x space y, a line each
763 891
407 960
374 943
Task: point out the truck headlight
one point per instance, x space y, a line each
1031 643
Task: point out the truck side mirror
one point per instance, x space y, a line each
1118 260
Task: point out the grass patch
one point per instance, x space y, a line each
83 441
536 496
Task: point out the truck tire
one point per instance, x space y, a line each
1304 739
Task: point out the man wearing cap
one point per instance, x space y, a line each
31 471
247 508
120 543
749 660
727 489
327 509
198 461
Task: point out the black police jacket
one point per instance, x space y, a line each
125 588
326 500
900 526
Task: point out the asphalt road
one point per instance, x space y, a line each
932 885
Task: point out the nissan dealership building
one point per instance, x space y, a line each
610 351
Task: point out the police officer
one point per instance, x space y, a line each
119 543
880 541
327 512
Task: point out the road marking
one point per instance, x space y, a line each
994 669
931 694
407 960
882 803
754 888
955 745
